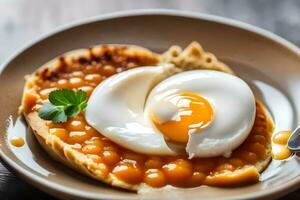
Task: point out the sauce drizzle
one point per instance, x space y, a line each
280 149
17 141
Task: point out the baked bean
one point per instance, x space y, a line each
75 125
195 180
91 149
76 82
59 132
155 178
62 83
107 70
110 157
94 78
79 74
78 137
128 172
178 171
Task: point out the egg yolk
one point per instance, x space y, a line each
193 114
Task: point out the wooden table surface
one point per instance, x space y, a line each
22 21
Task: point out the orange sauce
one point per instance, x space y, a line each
17 141
280 150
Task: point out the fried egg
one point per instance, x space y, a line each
147 109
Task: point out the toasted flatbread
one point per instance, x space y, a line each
193 57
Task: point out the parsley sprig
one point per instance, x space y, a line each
63 104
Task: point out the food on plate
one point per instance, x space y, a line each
133 118
280 150
17 141
179 116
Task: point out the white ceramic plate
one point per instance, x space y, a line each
270 64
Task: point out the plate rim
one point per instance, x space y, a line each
36 180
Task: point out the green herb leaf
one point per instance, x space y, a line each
83 105
72 111
63 104
62 97
80 96
51 112
59 117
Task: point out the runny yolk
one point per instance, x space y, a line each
193 114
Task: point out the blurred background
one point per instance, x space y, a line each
22 21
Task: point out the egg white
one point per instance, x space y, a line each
120 107
116 110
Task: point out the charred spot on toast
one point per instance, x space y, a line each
117 56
